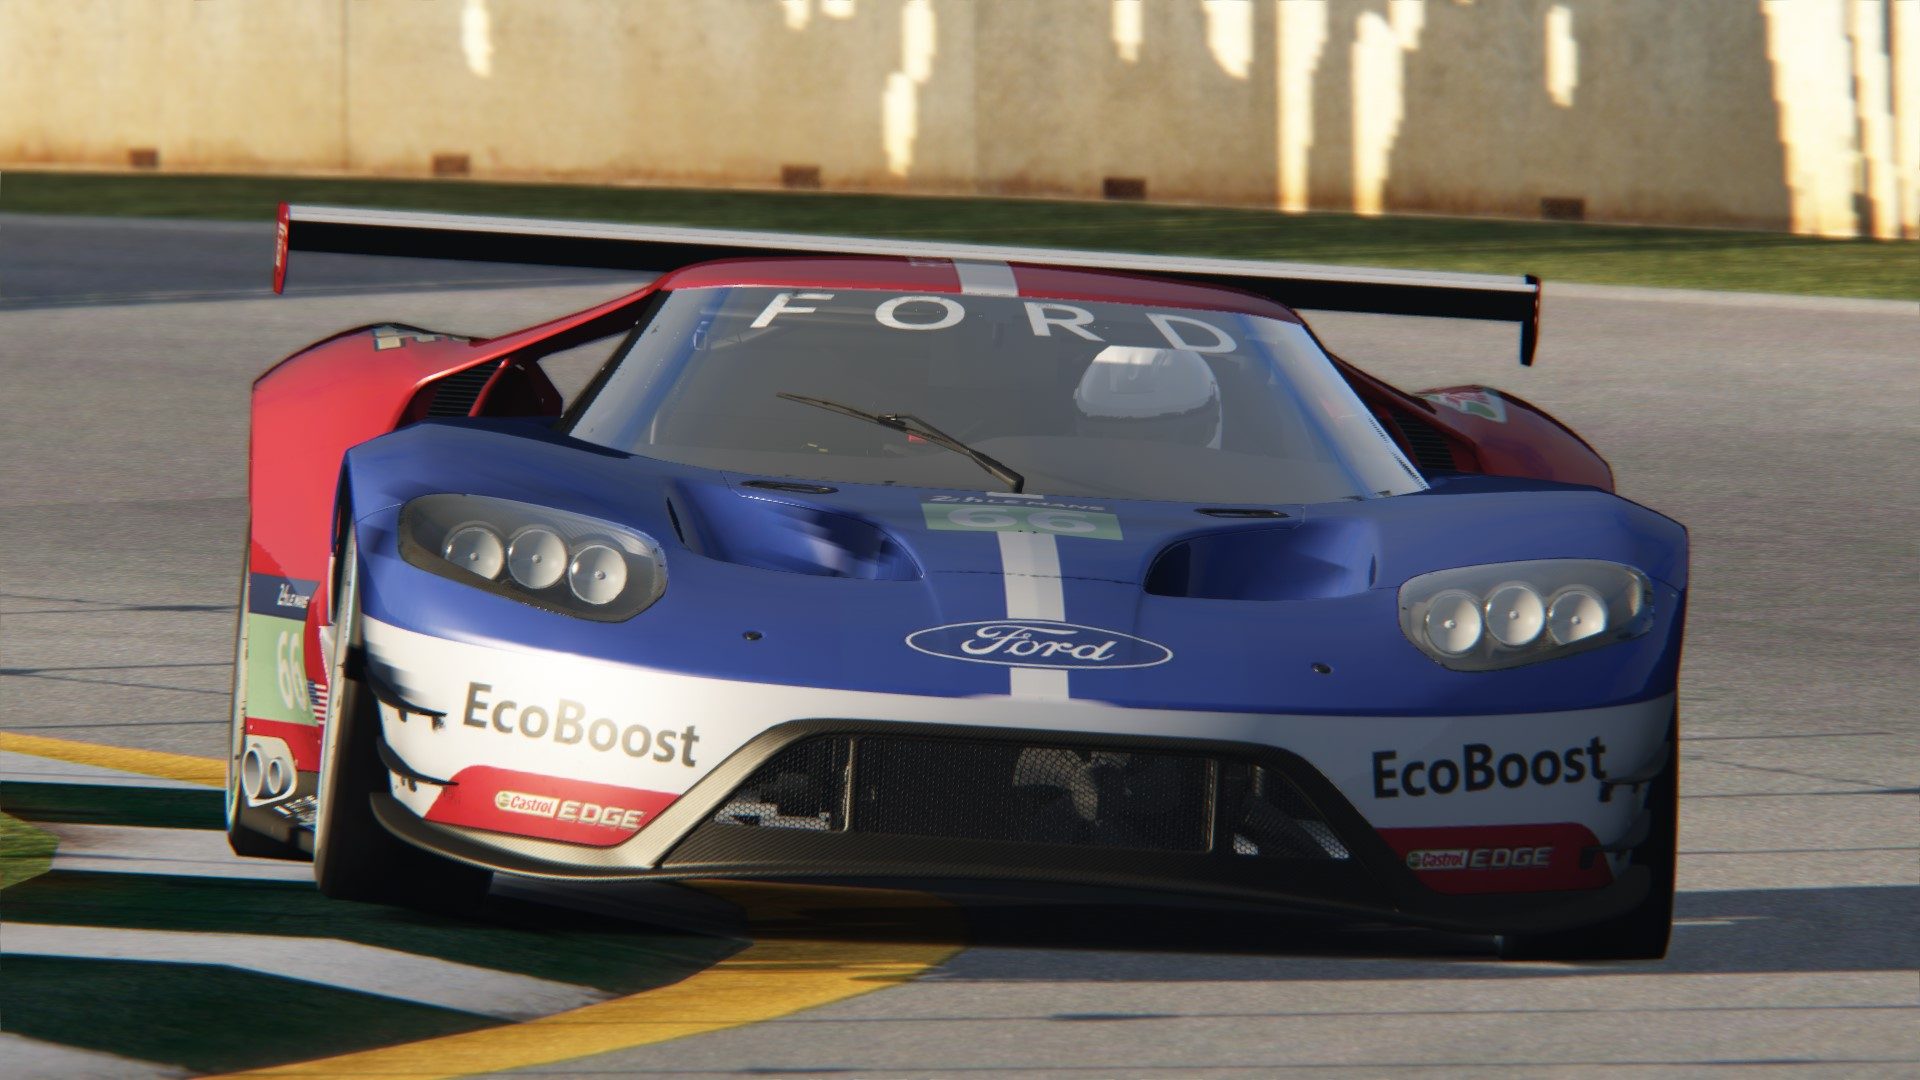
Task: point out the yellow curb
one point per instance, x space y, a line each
773 977
193 770
883 937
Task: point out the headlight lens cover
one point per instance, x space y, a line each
549 558
1482 618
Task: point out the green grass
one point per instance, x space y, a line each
25 852
214 1018
1610 254
206 1018
507 935
110 804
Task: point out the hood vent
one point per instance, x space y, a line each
1240 512
790 485
1430 450
455 394
1311 560
771 533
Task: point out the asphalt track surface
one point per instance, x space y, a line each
1784 434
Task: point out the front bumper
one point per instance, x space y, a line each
1461 798
1336 863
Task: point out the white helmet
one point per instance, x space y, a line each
1165 395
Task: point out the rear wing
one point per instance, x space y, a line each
657 249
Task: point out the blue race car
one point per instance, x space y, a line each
860 559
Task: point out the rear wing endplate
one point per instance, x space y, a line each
657 249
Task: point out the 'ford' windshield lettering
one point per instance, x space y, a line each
1083 400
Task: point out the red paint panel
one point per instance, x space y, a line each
280 250
312 657
302 739
1114 287
317 404
1521 439
527 804
825 273
311 408
1501 858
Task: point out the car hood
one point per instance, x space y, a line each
883 587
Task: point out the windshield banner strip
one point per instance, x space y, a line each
979 278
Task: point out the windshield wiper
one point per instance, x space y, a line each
913 425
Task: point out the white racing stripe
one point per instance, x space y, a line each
985 278
1030 564
346 965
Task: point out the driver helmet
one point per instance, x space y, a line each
1163 395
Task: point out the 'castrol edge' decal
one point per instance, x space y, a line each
527 804
1501 858
1033 643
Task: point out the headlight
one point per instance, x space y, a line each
1479 618
548 558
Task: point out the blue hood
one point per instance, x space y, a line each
835 583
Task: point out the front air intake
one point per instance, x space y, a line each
1007 791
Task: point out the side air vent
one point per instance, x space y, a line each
1240 512
1430 450
746 528
455 394
787 485
1272 560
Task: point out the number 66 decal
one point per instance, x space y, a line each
290 673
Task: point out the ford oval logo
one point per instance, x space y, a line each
1033 643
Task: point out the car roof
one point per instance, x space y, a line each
1024 280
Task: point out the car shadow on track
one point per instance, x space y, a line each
1129 937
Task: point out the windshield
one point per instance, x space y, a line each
1081 398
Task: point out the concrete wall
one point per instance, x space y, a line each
1784 114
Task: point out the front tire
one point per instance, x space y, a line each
1643 932
354 856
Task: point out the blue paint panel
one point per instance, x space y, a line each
783 534
835 583
1326 558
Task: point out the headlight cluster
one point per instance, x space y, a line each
1479 618
548 558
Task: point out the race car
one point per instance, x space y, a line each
872 559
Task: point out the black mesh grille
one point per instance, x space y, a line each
801 787
1430 449
1039 794
455 394
1263 813
1078 796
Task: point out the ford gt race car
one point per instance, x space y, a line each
869 559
